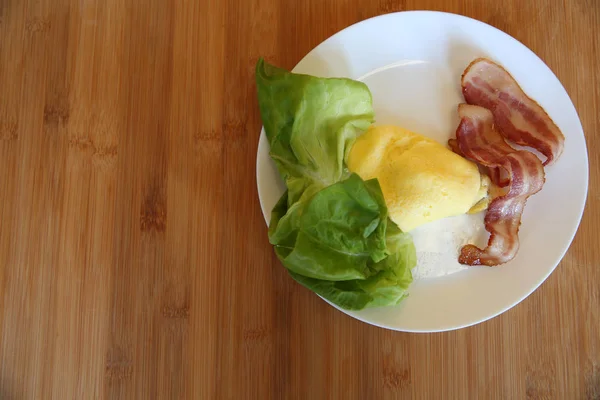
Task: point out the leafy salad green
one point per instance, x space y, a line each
330 228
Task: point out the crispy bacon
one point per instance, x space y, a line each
479 141
453 144
518 117
495 174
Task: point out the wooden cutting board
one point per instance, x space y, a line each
134 261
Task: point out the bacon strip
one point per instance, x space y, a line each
494 173
518 117
480 142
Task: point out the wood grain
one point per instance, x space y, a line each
134 260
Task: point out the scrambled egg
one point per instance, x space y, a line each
421 180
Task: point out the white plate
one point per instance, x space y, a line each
412 63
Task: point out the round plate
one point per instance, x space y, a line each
412 63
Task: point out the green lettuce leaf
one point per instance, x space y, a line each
311 124
337 234
330 229
387 287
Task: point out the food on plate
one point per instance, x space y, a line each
354 189
498 109
518 117
421 180
479 141
330 229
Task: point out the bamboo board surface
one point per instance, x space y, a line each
134 260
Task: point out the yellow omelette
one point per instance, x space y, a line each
421 180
